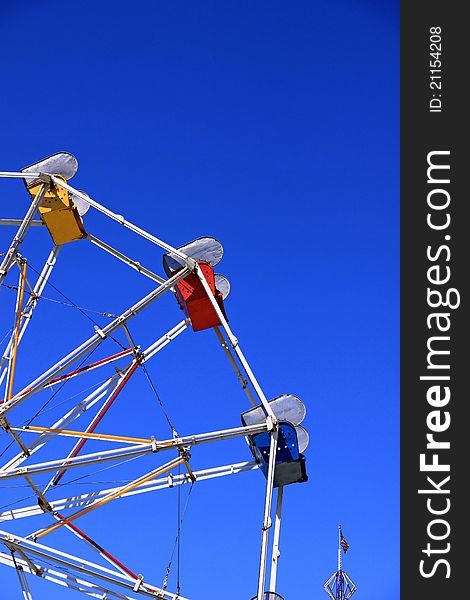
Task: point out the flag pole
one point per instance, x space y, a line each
340 586
340 566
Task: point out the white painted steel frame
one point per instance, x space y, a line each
277 534
271 422
267 515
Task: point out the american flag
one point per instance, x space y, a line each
344 543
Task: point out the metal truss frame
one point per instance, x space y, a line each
67 570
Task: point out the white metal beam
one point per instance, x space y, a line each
243 382
125 259
277 534
267 514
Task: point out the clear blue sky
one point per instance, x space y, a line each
274 127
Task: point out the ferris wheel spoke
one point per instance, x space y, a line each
125 259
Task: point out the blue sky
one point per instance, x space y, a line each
274 128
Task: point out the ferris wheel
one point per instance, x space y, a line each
43 453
